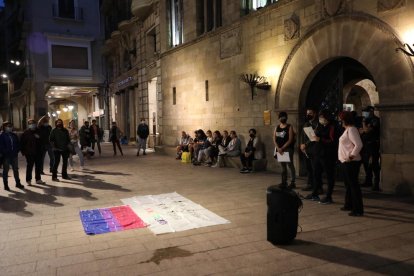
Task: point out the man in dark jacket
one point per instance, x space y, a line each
31 148
96 135
44 130
143 133
85 135
59 139
10 147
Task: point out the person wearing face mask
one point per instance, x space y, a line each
96 135
325 157
31 148
283 139
10 147
307 146
233 149
142 133
85 135
250 152
44 130
60 140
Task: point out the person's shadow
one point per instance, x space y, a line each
11 205
68 192
90 181
347 257
37 198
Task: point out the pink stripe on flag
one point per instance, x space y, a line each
126 217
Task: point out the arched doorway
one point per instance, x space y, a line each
371 44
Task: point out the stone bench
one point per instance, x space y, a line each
235 162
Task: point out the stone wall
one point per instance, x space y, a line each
285 42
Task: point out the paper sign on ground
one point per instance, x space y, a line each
166 213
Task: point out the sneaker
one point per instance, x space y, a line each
42 173
312 197
40 182
55 179
243 170
72 169
20 186
215 165
208 164
326 200
29 183
249 170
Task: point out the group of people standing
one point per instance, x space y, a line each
329 142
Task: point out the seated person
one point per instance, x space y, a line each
250 153
232 149
203 146
225 140
209 136
183 146
192 146
214 150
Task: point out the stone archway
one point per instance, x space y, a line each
361 37
372 43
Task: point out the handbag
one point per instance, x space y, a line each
186 157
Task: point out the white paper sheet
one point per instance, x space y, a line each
310 133
166 213
283 157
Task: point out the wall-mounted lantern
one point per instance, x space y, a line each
255 81
408 52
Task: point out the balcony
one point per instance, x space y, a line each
142 8
71 13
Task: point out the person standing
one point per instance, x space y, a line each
325 157
283 138
31 148
142 133
349 149
10 147
59 139
371 134
96 135
307 146
74 140
85 136
114 136
44 130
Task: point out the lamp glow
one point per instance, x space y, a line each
70 107
65 109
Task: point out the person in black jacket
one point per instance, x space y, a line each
31 148
142 133
9 149
96 135
44 130
325 157
307 146
85 135
59 139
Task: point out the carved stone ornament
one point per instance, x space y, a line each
386 5
230 43
332 7
291 28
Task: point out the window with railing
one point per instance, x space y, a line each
67 9
251 5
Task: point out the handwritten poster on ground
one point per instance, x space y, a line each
166 213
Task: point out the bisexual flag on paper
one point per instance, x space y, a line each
113 219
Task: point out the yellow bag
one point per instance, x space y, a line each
186 157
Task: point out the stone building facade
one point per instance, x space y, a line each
312 53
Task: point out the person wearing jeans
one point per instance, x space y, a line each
142 133
96 136
44 130
349 149
9 149
114 136
59 139
74 140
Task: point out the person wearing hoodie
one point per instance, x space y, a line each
31 148
10 147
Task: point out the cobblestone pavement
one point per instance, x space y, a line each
41 233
